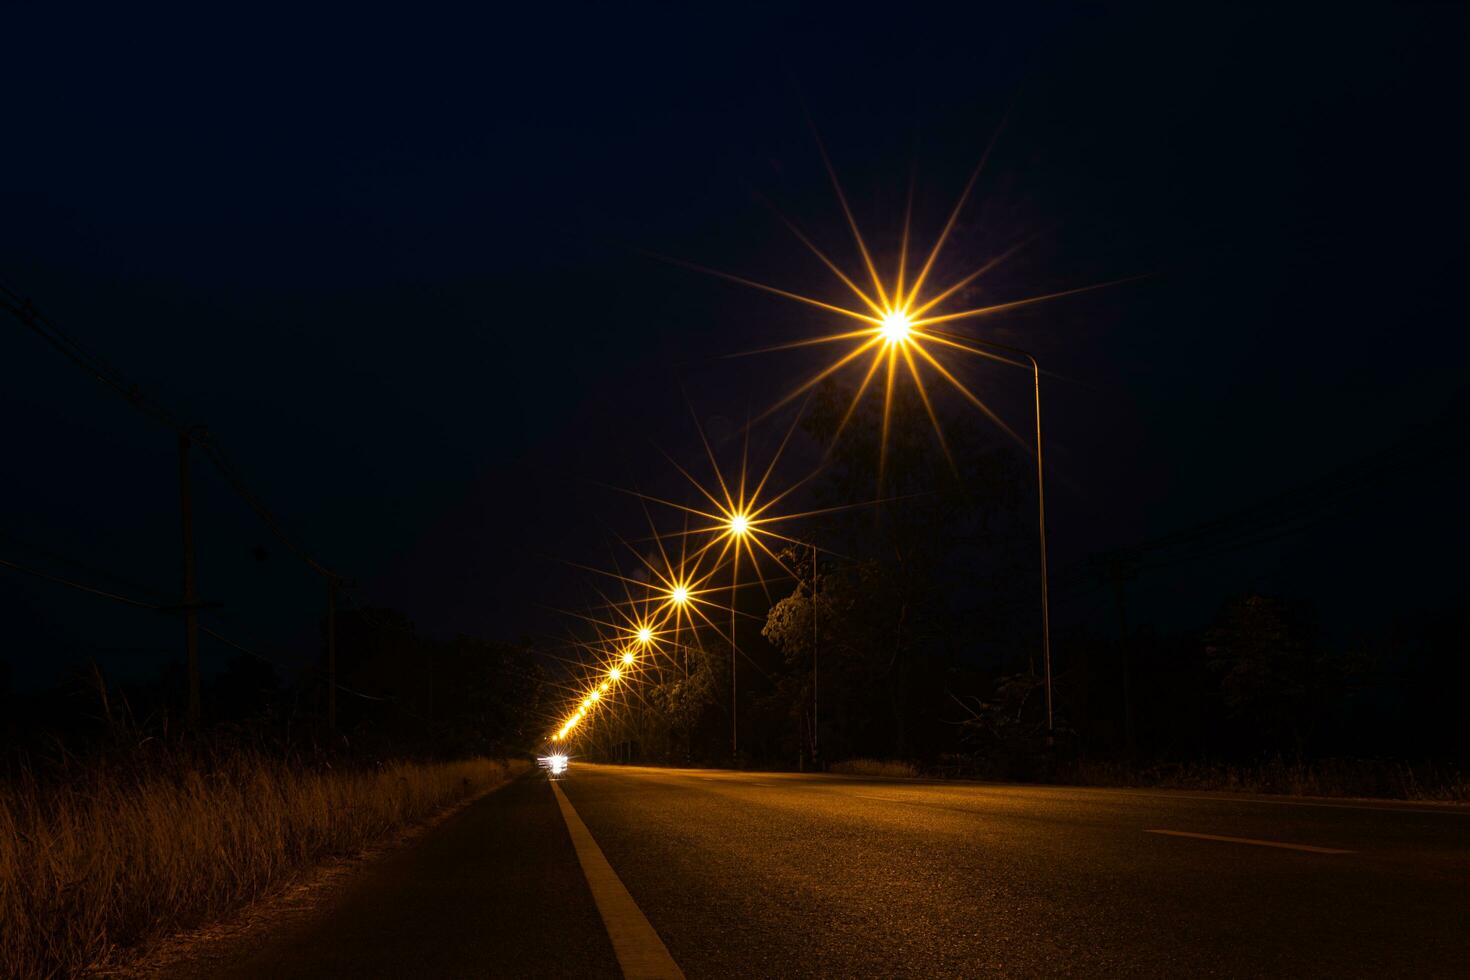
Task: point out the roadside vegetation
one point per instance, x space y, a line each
104 860
873 767
911 632
1357 778
120 826
1361 778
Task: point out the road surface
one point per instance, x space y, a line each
779 875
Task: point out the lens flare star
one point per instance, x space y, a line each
900 326
896 327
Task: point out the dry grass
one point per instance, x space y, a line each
872 767
115 859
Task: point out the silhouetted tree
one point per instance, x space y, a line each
1272 675
933 576
684 689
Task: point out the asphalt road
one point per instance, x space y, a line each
775 875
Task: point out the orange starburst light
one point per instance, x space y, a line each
898 326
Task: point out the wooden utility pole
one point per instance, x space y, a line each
191 599
332 653
1118 579
816 748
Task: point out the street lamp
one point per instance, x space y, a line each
893 323
737 526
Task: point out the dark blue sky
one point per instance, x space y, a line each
394 263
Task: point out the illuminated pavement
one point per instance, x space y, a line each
775 875
772 875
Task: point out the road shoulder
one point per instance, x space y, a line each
492 889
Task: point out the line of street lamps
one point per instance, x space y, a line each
736 526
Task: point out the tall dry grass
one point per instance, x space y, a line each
117 857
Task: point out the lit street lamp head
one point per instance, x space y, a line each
738 525
896 326
645 636
679 595
628 657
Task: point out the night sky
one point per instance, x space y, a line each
400 267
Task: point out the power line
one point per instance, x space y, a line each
78 585
231 473
93 572
25 311
98 368
156 607
1281 515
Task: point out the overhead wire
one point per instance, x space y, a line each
100 370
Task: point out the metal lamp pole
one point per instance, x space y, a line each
734 700
1040 516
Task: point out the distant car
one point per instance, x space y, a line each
555 765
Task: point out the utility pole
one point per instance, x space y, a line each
1123 651
191 599
816 765
430 708
332 653
734 702
684 709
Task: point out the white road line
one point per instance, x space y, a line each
641 954
1258 843
1406 807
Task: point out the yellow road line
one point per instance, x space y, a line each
641 954
1258 843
